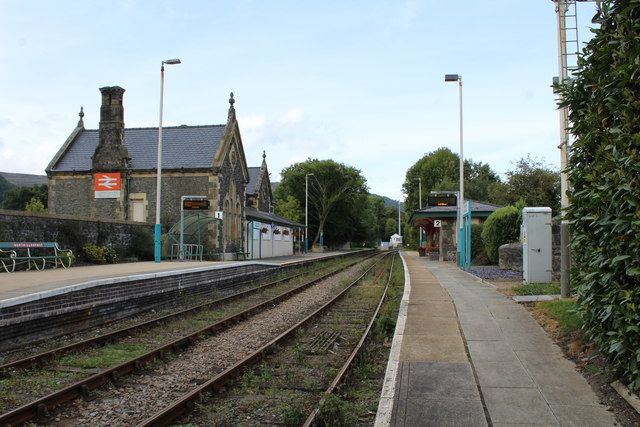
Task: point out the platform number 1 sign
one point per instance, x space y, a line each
437 223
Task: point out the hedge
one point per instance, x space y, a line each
604 170
502 226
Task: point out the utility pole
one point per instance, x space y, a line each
566 12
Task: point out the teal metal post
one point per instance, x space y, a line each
468 237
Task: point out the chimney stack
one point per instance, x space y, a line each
111 154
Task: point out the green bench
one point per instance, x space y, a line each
33 254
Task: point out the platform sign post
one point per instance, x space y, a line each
465 259
191 203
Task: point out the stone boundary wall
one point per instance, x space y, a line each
510 254
70 232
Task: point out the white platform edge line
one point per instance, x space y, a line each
387 395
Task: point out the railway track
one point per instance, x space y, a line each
45 357
40 409
292 368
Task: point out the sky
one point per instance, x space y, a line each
360 82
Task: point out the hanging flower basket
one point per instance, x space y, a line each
285 232
276 231
264 230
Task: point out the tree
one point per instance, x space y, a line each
18 197
290 208
390 227
337 198
440 171
533 182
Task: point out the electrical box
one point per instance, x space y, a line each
536 245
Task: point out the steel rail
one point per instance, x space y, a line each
39 409
187 402
346 367
44 357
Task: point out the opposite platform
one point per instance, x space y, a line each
21 286
471 356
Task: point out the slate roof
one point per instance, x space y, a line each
266 217
24 179
483 209
254 176
189 147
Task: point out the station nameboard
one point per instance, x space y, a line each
195 204
442 200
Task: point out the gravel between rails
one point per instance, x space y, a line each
139 397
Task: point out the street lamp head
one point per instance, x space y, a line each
172 61
452 77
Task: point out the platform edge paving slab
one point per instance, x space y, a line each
436 385
557 394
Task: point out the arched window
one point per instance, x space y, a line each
226 219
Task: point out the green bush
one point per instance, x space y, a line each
142 244
477 244
94 254
604 167
502 226
100 254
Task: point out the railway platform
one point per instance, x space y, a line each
22 286
464 354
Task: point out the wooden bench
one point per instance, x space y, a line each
243 255
33 254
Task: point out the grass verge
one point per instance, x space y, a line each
537 289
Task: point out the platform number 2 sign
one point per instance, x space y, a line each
437 223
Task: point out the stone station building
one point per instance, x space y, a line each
110 173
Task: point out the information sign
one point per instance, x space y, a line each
195 204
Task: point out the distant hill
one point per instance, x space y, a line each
24 179
4 187
388 203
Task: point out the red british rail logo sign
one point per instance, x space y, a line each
107 185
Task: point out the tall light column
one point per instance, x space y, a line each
158 228
458 78
306 212
420 207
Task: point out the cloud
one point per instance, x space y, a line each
251 122
409 11
292 115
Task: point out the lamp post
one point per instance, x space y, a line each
420 207
158 229
306 212
458 78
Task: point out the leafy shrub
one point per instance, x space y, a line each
477 244
502 226
111 255
94 254
142 244
100 254
35 205
603 169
